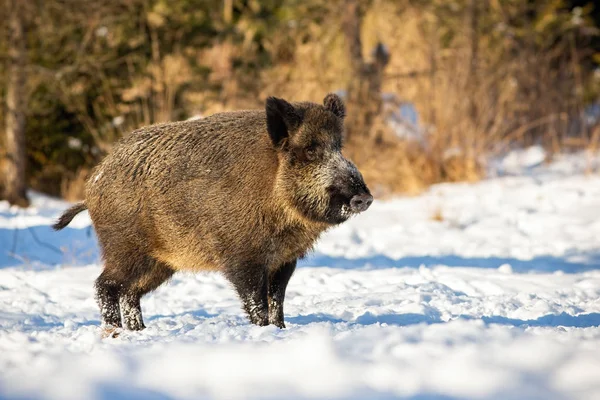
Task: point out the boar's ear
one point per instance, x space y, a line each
334 103
282 118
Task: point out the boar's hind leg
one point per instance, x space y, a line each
108 288
250 281
278 280
152 274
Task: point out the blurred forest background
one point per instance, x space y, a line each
433 87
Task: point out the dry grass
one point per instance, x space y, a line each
73 185
395 166
470 105
55 180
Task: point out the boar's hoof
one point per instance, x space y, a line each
258 316
276 315
261 320
279 324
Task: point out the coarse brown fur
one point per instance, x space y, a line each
241 192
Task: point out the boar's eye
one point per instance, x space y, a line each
310 154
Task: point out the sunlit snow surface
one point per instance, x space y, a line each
500 299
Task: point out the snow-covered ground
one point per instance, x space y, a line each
486 290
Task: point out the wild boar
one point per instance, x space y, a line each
246 193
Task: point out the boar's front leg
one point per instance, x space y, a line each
250 281
278 280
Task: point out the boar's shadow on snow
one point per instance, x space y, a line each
246 193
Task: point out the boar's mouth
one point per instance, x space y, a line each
344 205
340 203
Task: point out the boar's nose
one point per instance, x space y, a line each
360 202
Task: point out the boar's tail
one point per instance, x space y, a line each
66 218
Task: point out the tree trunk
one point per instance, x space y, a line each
364 89
473 73
228 11
14 166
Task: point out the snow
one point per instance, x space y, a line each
500 299
517 160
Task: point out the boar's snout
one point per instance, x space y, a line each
361 202
350 192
